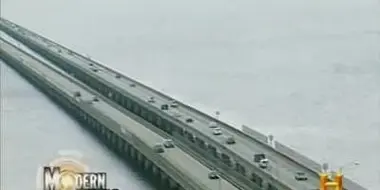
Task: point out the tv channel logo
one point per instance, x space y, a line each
68 173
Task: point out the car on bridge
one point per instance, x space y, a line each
213 175
151 99
264 163
300 176
77 94
158 148
259 157
189 120
164 107
230 140
213 124
174 104
217 131
95 99
168 143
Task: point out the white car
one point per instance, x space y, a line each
263 163
168 143
213 124
217 131
173 104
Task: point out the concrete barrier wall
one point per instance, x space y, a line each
254 134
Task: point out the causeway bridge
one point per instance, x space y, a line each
134 120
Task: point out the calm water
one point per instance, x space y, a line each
306 71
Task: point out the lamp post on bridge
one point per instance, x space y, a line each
217 113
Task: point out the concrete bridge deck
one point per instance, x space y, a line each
282 167
175 162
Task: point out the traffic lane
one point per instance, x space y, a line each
246 153
183 161
129 124
241 150
285 164
311 183
295 166
42 70
85 63
279 173
196 170
259 148
103 73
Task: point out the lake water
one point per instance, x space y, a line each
307 72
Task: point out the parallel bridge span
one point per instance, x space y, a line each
174 168
235 158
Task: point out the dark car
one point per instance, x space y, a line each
230 140
151 100
213 175
164 107
77 94
158 148
300 176
258 157
189 120
168 143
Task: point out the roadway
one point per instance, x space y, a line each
183 162
280 167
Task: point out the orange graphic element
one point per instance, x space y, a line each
326 184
